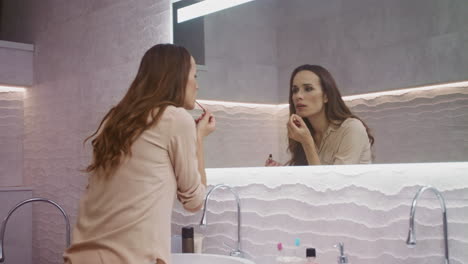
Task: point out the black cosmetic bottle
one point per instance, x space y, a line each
187 240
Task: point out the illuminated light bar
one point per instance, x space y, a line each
234 104
346 98
5 89
206 7
406 90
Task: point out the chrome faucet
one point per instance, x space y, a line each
238 251
5 221
411 240
342 259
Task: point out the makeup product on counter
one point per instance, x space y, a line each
282 259
310 256
187 240
279 246
198 243
297 243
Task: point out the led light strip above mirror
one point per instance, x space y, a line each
5 89
367 96
206 7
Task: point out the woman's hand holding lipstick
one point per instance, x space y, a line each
297 129
204 112
206 123
200 117
296 121
270 162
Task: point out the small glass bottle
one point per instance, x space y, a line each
310 256
187 240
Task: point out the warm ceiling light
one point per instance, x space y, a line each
4 88
206 7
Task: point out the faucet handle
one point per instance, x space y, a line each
234 252
342 259
340 247
229 247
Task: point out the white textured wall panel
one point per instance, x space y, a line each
364 206
418 126
11 138
245 135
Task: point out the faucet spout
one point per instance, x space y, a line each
342 259
5 221
238 251
411 240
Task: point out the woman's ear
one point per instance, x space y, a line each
325 98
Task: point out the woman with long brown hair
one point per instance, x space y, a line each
321 128
146 151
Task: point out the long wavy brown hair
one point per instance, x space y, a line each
161 81
336 110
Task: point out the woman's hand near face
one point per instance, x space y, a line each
206 124
272 163
298 130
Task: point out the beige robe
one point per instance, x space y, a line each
345 144
127 218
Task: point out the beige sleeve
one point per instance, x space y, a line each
183 155
353 143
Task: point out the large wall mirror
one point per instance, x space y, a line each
249 51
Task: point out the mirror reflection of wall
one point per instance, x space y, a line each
251 49
368 46
418 126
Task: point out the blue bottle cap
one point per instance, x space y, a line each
297 242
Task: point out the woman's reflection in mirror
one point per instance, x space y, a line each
322 130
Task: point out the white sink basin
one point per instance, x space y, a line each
179 258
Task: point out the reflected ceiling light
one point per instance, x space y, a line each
406 90
206 7
5 89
